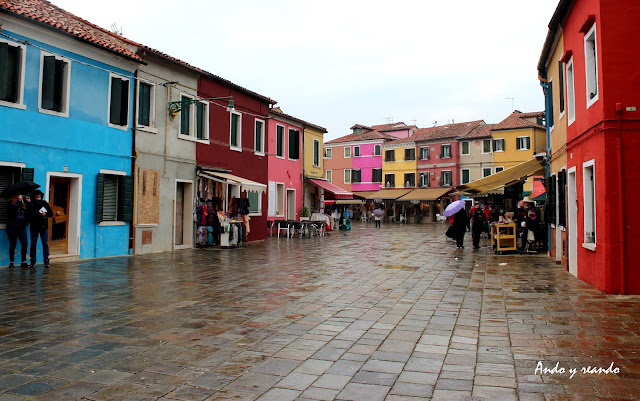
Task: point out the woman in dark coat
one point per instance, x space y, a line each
17 228
461 225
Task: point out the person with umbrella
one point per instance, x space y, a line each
39 212
460 220
378 214
17 228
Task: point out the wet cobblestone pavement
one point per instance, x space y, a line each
396 313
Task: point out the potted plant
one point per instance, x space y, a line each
304 212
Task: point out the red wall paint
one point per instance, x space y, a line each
434 159
245 164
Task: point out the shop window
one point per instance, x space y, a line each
279 141
465 176
54 90
114 198
409 180
390 180
390 155
446 178
424 153
11 71
376 175
445 151
550 207
486 146
465 147
589 203
118 102
356 176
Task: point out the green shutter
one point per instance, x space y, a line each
116 99
58 86
185 115
125 199
4 67
280 141
48 78
200 120
124 103
26 174
144 104
9 72
234 130
99 197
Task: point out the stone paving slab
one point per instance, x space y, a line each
396 313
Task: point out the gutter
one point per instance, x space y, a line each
544 83
134 168
621 220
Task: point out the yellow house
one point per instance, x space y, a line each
516 139
312 165
399 164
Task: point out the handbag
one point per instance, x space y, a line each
450 232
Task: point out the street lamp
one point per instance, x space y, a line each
175 107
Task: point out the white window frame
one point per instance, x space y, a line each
347 175
23 56
120 127
259 212
314 152
289 142
67 98
120 173
484 170
550 121
428 153
328 175
152 127
587 217
442 147
503 144
284 141
450 184
328 153
518 142
462 176
347 148
498 167
354 151
587 37
284 199
259 153
563 89
570 101
379 147
206 122
239 147
490 146
468 147
191 136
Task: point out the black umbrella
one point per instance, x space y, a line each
24 187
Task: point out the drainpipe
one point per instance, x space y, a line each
621 219
545 88
134 169
304 128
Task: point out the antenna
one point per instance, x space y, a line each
115 29
389 120
435 123
510 98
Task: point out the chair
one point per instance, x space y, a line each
440 218
283 226
364 218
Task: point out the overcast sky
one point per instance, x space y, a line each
338 63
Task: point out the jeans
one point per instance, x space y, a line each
14 235
44 237
378 223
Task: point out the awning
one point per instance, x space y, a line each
344 202
338 192
504 178
245 184
425 194
363 194
389 193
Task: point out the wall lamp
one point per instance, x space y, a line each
175 107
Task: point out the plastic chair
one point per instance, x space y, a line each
283 226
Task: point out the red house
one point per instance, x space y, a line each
232 160
600 85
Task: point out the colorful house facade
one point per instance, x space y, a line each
67 115
313 166
476 157
399 164
600 93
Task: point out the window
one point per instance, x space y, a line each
255 203
424 180
316 153
294 144
11 73
424 153
259 137
486 171
54 89
185 115
328 153
280 199
445 151
486 146
146 104
571 105
347 176
114 198
356 151
356 176
279 141
390 180
561 198
561 85
465 147
499 169
498 145
202 120
347 152
118 101
194 116
446 179
329 175
376 175
235 131
465 176
591 65
589 203
409 180
377 150
10 175
523 143
410 154
390 155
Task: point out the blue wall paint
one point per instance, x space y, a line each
83 142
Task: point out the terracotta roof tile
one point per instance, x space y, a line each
45 13
277 110
446 131
519 120
365 136
480 131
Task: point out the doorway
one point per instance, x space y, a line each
183 220
291 204
59 199
573 222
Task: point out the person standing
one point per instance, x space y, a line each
17 228
377 215
38 212
479 220
461 225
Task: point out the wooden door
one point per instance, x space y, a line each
59 194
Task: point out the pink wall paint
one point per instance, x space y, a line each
366 162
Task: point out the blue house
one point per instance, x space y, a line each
66 113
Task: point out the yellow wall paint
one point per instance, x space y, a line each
399 167
558 135
309 169
511 156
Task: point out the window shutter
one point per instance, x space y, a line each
185 116
280 141
316 153
26 174
4 70
124 102
58 86
144 104
99 197
9 72
48 78
116 99
200 120
125 199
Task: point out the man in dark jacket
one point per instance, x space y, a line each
479 219
461 225
17 228
39 212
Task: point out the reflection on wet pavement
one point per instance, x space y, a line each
393 313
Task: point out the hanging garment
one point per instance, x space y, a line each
204 215
199 214
209 235
233 206
246 219
202 235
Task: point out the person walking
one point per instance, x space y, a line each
378 214
461 225
479 220
38 212
17 228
